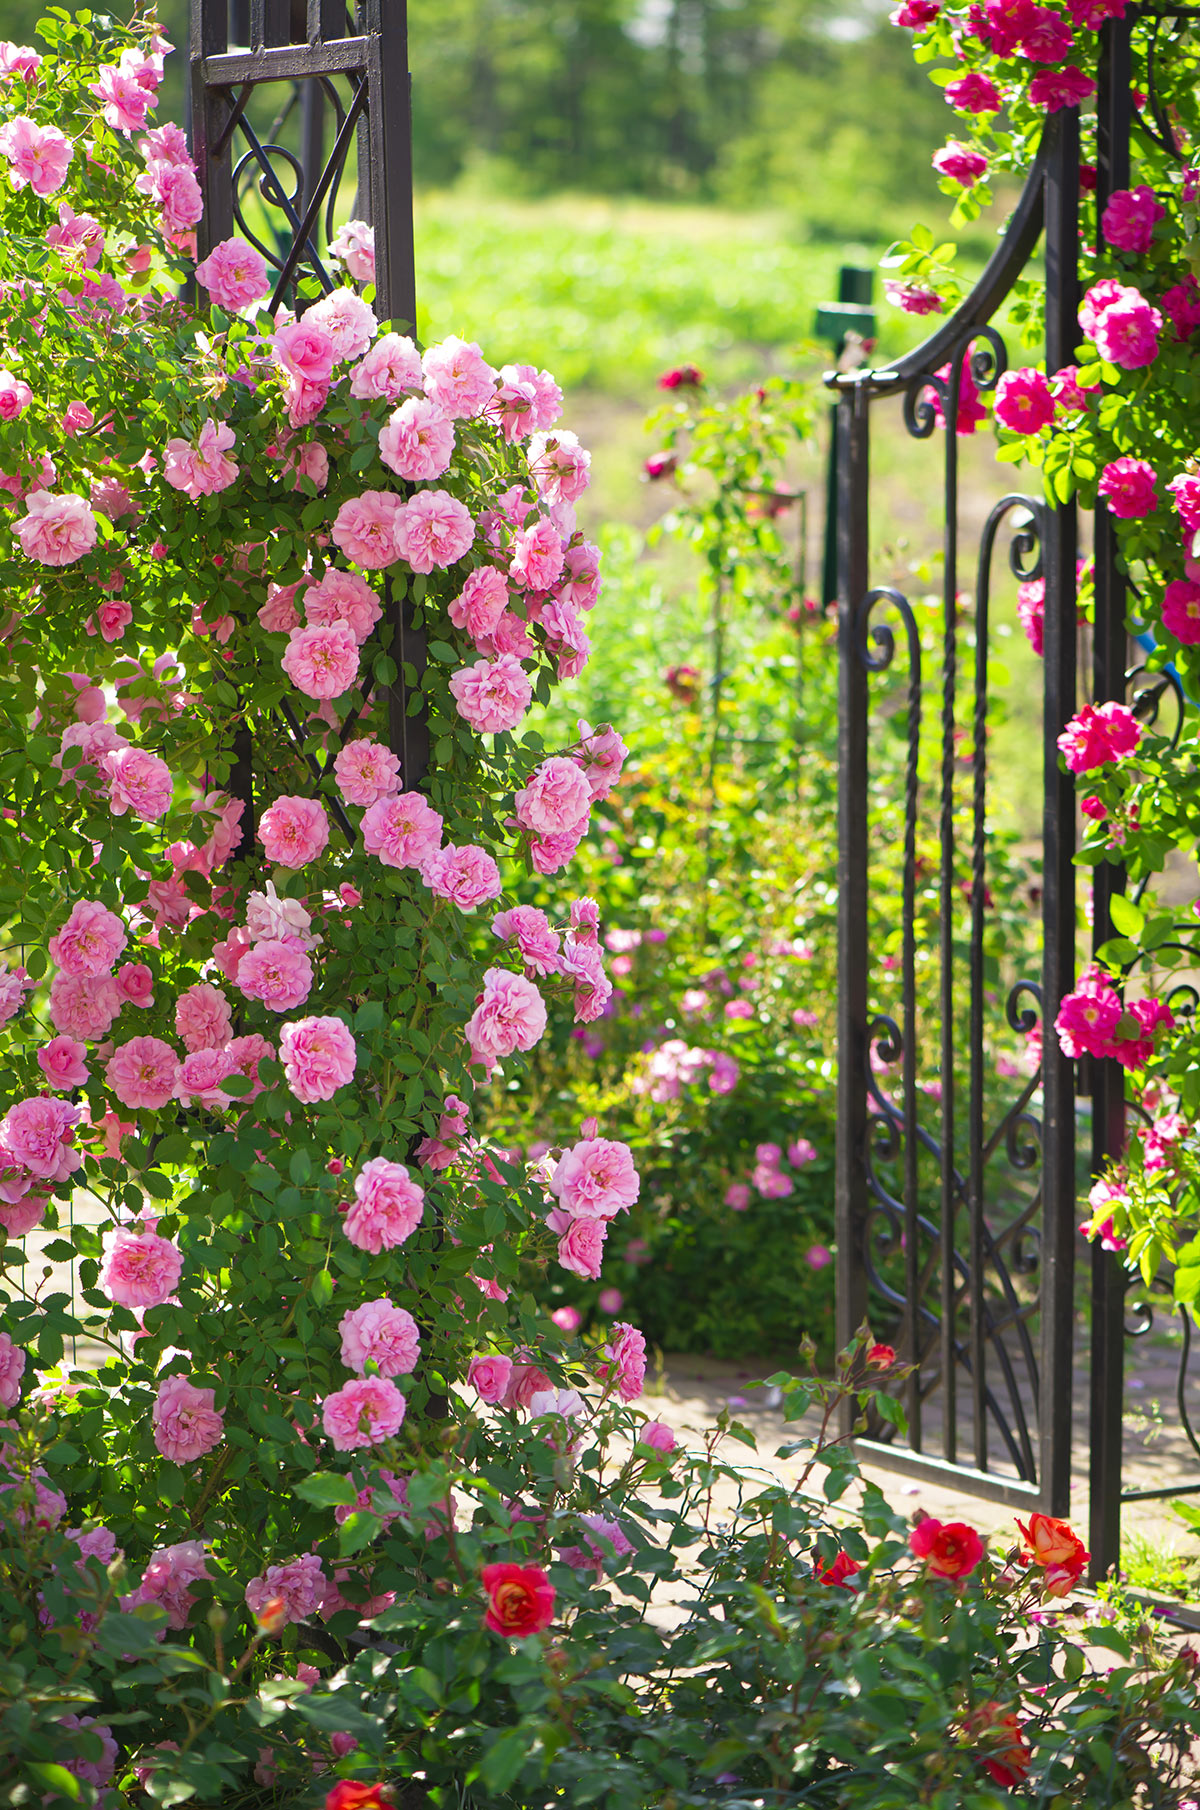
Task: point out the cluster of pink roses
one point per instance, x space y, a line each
591 1183
1093 1020
768 1177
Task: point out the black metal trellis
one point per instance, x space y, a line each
336 77
956 1233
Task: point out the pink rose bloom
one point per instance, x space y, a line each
1069 395
626 1357
18 60
77 418
1181 611
348 322
1129 219
973 93
417 442
596 1179
14 984
38 155
1057 88
12 1369
402 831
304 349
915 15
818 1256
433 530
294 831
554 799
525 1381
458 379
723 1073
913 298
113 617
1023 402
170 1570
467 876
15 396
82 1005
602 755
234 274
960 163
1096 735
511 1015
387 1208
580 1243
139 1269
19 1217
1151 1016
309 461
1128 487
537 558
1126 334
342 597
38 1133
658 1436
355 246
559 466
142 1073
1045 35
1031 609
1088 1017
489 1375
970 410
585 919
278 614
199 1079
1181 305
1185 494
202 1017
392 366
58 530
737 1196
319 1056
1097 299
125 101
481 603
381 1334
138 781
364 1413
203 469
583 963
89 942
800 1152
530 929
580 586
367 529
62 1062
302 1586
246 1053
550 853
492 695
366 771
322 662
186 1425
277 973
567 1319
304 399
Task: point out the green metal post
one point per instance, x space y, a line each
851 313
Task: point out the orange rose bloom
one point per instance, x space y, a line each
351 1794
1002 1749
837 1571
1057 1548
520 1599
949 1548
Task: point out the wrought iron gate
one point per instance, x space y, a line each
962 1229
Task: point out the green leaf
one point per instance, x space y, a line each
300 1167
54 1778
1125 916
322 1288
325 1489
357 1531
441 650
504 1759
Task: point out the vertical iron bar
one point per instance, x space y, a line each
389 160
850 1200
975 1109
1114 116
949 1202
208 37
908 916
1058 843
312 141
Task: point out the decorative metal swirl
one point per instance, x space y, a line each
979 350
1029 1019
884 637
1023 1153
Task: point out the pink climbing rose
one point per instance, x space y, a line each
203 1020
186 1425
510 1015
596 1179
1128 487
1129 219
38 156
467 876
319 1056
138 781
294 831
403 831
417 443
139 1269
433 529
381 1334
1181 611
342 597
62 1062
277 973
387 1208
1098 734
458 379
492 695
89 942
365 1412
1023 401
202 469
57 530
580 1243
322 661
12 1369
960 163
300 1586
554 798
366 528
234 274
366 771
142 1073
625 1360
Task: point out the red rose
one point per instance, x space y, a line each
949 1548
837 1571
881 1357
1057 1548
520 1599
351 1794
684 376
1002 1749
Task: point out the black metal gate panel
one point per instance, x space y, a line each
957 1228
